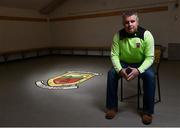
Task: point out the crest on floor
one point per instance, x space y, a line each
68 80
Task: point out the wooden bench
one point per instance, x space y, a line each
59 50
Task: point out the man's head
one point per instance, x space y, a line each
130 21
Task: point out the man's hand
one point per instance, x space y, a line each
134 73
129 73
123 73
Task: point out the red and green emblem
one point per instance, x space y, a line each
68 80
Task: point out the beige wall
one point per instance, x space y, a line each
99 31
19 35
4 11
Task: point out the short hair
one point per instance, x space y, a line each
130 13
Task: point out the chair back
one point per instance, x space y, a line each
158 56
158 53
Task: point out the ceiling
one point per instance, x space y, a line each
43 6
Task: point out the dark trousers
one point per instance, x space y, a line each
149 83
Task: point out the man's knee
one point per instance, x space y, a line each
112 73
149 73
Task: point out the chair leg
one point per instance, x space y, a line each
139 93
122 89
159 93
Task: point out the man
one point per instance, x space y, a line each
132 54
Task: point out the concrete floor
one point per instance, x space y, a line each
22 103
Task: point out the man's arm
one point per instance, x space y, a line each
148 52
115 57
115 52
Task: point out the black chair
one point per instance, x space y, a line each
158 56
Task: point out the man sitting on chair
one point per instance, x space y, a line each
132 54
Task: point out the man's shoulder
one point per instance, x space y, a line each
141 29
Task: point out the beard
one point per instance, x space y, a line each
131 30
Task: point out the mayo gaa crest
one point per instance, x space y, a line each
68 80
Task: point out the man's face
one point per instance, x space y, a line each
130 24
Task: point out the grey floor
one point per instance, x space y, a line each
22 103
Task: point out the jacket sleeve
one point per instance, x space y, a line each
148 52
115 52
